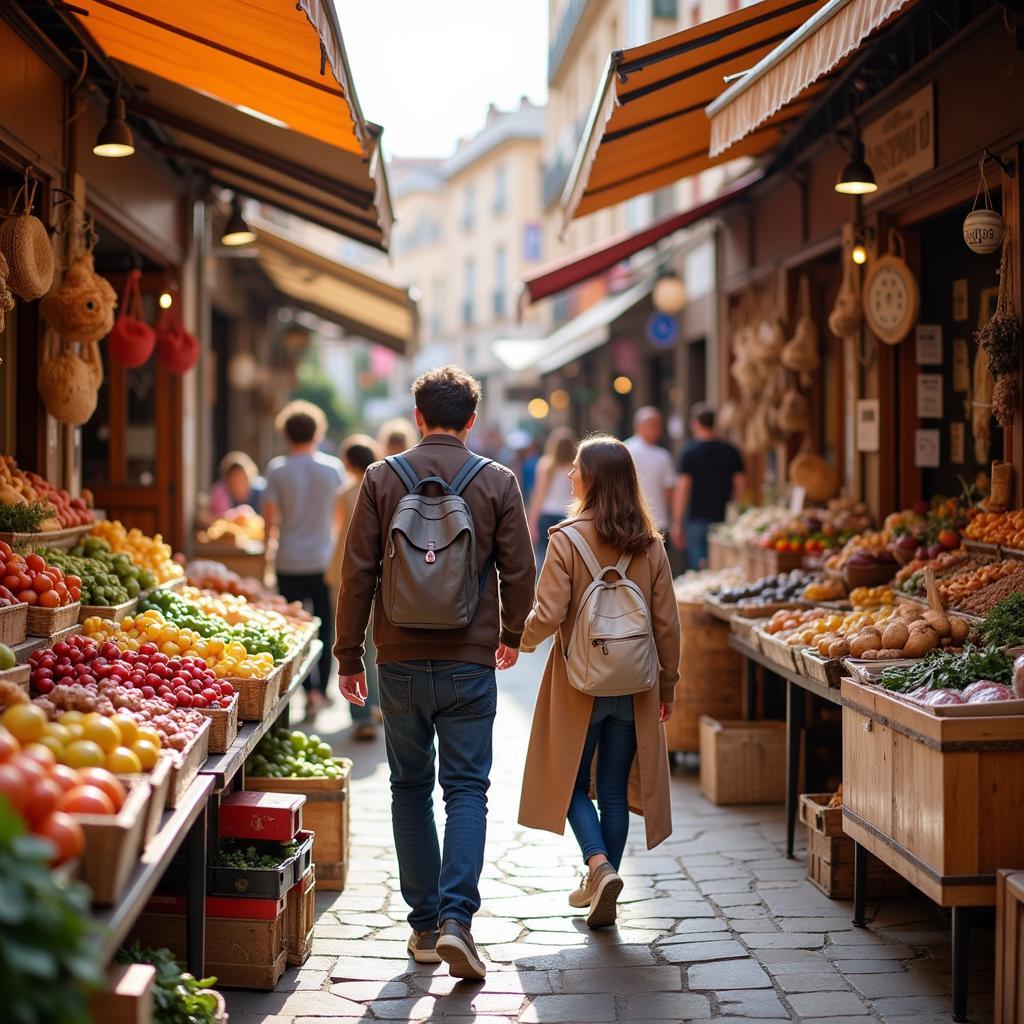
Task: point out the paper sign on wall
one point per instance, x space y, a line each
868 411
960 293
926 449
961 365
956 443
929 344
929 396
797 497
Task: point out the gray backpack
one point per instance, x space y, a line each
430 578
611 651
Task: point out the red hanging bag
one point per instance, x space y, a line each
131 340
177 350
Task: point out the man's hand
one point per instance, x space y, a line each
353 688
664 712
506 656
678 536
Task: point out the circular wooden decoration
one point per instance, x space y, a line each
891 298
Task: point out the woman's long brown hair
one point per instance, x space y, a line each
612 492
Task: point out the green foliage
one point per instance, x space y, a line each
48 954
1004 624
178 998
940 670
235 855
24 518
317 387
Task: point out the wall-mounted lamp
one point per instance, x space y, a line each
856 178
236 231
115 138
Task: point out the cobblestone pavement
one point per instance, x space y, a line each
715 923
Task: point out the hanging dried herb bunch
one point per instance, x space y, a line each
1000 338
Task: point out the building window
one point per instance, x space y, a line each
500 189
468 208
666 9
500 282
437 307
468 292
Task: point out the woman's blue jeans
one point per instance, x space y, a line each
612 734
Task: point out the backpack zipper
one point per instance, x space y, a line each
603 644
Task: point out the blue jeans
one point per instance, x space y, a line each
611 726
455 701
696 531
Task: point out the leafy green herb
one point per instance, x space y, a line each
249 858
941 670
1004 624
48 950
178 998
24 518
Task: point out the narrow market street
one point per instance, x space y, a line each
715 923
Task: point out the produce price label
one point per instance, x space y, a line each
926 449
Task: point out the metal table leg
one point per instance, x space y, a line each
961 960
860 884
794 732
750 679
195 934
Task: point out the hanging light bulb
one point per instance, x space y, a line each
859 253
856 178
115 138
166 300
236 231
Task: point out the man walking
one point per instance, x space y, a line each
710 476
437 655
653 463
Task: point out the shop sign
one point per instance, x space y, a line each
929 396
662 330
901 146
926 449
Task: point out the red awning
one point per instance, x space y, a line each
580 266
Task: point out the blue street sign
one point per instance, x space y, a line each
662 330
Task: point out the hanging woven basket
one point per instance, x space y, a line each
26 245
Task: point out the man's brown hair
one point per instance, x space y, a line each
302 422
446 397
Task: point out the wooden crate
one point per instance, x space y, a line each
223 725
127 997
723 553
710 673
777 651
13 624
112 846
19 675
51 621
185 766
299 919
1009 947
326 813
59 540
935 798
742 762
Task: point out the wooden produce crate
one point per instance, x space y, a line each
822 670
1009 940
830 853
723 553
223 725
19 675
51 621
747 629
933 797
777 651
185 766
250 561
112 846
742 762
709 677
116 612
127 997
13 624
256 697
326 813
299 918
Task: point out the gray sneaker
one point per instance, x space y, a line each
457 948
423 947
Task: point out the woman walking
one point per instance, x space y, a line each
570 726
552 493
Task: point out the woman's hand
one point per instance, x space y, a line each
665 712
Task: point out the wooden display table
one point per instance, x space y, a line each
246 561
938 799
724 553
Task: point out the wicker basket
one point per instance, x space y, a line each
108 611
256 697
19 675
185 766
60 540
223 725
13 624
50 621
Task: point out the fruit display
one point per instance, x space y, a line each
33 580
150 553
958 678
691 587
236 610
981 602
1005 528
120 563
930 526
19 489
787 586
1003 626
7 659
863 550
240 526
99 584
7 598
284 754
818 530
752 523
872 597
227 659
787 620
824 590
910 579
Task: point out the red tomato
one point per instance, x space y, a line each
49 599
14 787
12 581
41 754
86 800
42 582
65 834
28 596
56 572
107 781
5 549
75 592
73 581
36 562
29 767
65 777
43 797
9 746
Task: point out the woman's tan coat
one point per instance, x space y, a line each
562 715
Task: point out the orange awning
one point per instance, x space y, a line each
259 93
782 77
647 127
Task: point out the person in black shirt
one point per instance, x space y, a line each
710 475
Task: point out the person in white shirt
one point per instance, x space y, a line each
654 464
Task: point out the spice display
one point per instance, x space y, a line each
1005 528
963 585
984 600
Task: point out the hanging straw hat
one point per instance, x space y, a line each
26 244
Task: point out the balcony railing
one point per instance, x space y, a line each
567 26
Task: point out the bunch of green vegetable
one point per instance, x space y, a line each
120 564
1004 624
101 584
282 755
25 518
248 858
178 998
941 670
49 958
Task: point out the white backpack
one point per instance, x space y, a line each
611 650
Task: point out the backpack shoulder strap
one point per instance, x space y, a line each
404 471
585 550
468 472
623 564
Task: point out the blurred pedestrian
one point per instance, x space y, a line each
358 453
552 489
654 464
396 436
238 483
710 476
298 506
